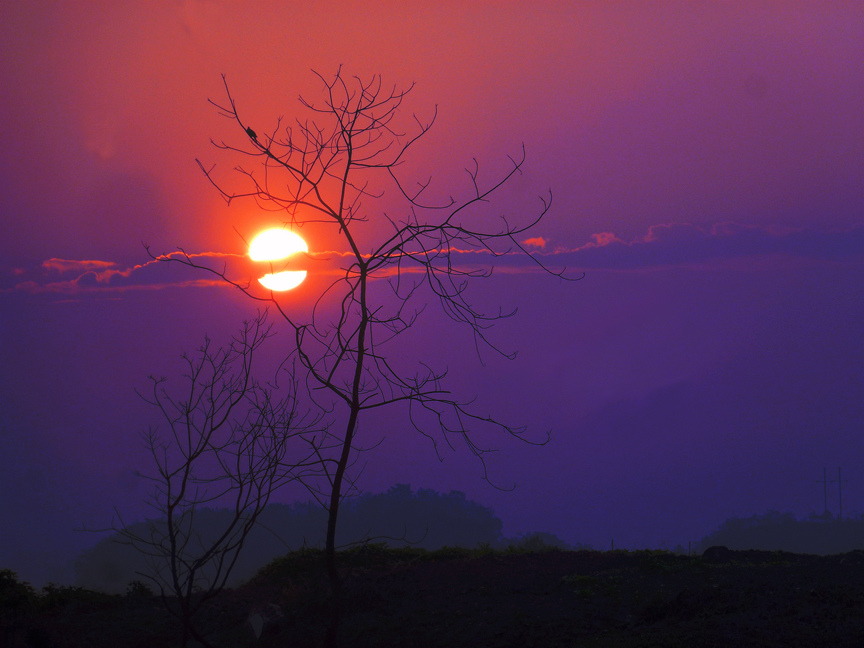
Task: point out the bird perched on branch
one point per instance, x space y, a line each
251 133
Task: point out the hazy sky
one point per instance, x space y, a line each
707 167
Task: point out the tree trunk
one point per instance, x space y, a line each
330 547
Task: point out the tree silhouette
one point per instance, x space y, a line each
329 169
224 438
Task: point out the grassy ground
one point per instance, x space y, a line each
456 597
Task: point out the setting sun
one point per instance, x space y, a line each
274 245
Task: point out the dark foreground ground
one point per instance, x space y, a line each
460 598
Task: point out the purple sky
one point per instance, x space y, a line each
707 167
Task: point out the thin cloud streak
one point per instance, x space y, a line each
682 244
674 244
64 266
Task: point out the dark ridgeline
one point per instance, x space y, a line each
476 596
430 520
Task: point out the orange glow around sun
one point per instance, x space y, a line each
274 245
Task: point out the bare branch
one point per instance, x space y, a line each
224 439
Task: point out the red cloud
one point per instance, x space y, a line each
537 241
603 238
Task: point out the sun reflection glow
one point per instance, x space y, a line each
283 280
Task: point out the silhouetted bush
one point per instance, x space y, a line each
535 542
137 589
53 596
14 595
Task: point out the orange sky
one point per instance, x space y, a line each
633 114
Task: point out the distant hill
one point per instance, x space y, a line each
399 517
775 531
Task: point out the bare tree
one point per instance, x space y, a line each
227 440
329 169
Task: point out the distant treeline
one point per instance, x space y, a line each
775 531
431 520
399 517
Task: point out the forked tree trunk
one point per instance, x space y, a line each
331 639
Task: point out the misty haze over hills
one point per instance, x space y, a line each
431 520
399 517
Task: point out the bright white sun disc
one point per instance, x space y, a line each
283 280
275 244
